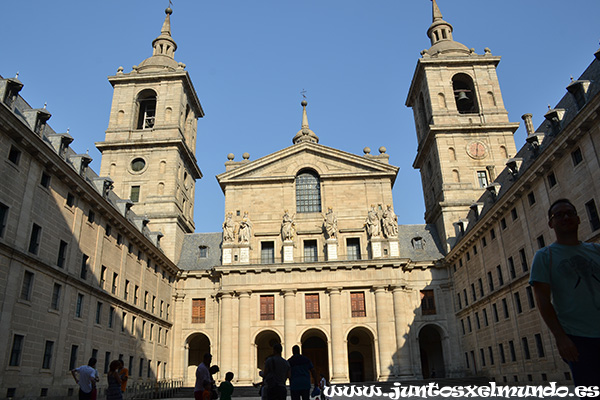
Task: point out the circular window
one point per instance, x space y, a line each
138 164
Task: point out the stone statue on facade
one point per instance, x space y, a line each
287 226
330 223
245 229
390 223
228 228
373 223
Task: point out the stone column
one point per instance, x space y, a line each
339 360
226 359
385 339
244 345
402 306
289 321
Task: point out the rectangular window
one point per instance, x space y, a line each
79 306
523 258
541 242
102 277
592 213
267 307
162 303
70 200
143 329
500 278
480 282
312 306
551 179
145 299
505 307
16 350
477 323
130 366
525 348
84 267
459 302
513 214
485 317
531 198
576 157
136 291
45 180
539 344
98 313
119 239
473 293
108 230
310 251
353 248
465 297
428 302
111 316
495 310
47 359
468 256
62 254
483 241
27 286
149 368
135 194
267 252
151 331
3 218
73 357
492 234
491 353
126 291
490 281
91 216
469 324
513 354
503 223
124 322
357 304
462 324
133 324
153 304
475 249
114 283
14 155
518 303
34 240
482 178
140 372
55 304
467 359
501 352
482 356
530 298
106 361
511 268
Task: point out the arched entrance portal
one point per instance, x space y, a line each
314 346
198 344
264 346
361 357
432 357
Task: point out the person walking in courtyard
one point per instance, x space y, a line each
277 371
226 388
113 392
86 377
566 282
301 370
124 375
202 376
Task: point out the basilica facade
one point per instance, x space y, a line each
310 252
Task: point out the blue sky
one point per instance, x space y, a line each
249 61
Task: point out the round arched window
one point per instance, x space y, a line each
138 164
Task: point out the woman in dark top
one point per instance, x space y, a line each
113 392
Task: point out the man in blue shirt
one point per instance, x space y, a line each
566 282
301 370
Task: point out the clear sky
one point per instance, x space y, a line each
249 61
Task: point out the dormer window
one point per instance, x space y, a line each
203 251
464 94
579 91
147 109
417 243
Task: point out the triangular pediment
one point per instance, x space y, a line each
328 162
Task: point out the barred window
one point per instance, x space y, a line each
308 192
312 306
198 311
427 302
267 307
357 302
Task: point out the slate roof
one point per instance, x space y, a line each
190 252
432 248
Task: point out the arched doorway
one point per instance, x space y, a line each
361 357
314 346
264 346
432 356
198 344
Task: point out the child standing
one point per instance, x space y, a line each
226 388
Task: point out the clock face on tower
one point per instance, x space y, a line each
477 150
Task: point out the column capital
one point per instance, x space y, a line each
334 290
244 293
289 292
226 294
379 288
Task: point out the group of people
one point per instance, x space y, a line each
87 377
277 370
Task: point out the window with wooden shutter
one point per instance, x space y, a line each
198 311
357 300
427 302
267 307
312 306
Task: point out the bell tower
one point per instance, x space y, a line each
464 135
150 143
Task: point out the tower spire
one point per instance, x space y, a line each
437 14
440 33
305 134
163 53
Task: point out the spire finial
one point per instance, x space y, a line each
437 14
305 134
